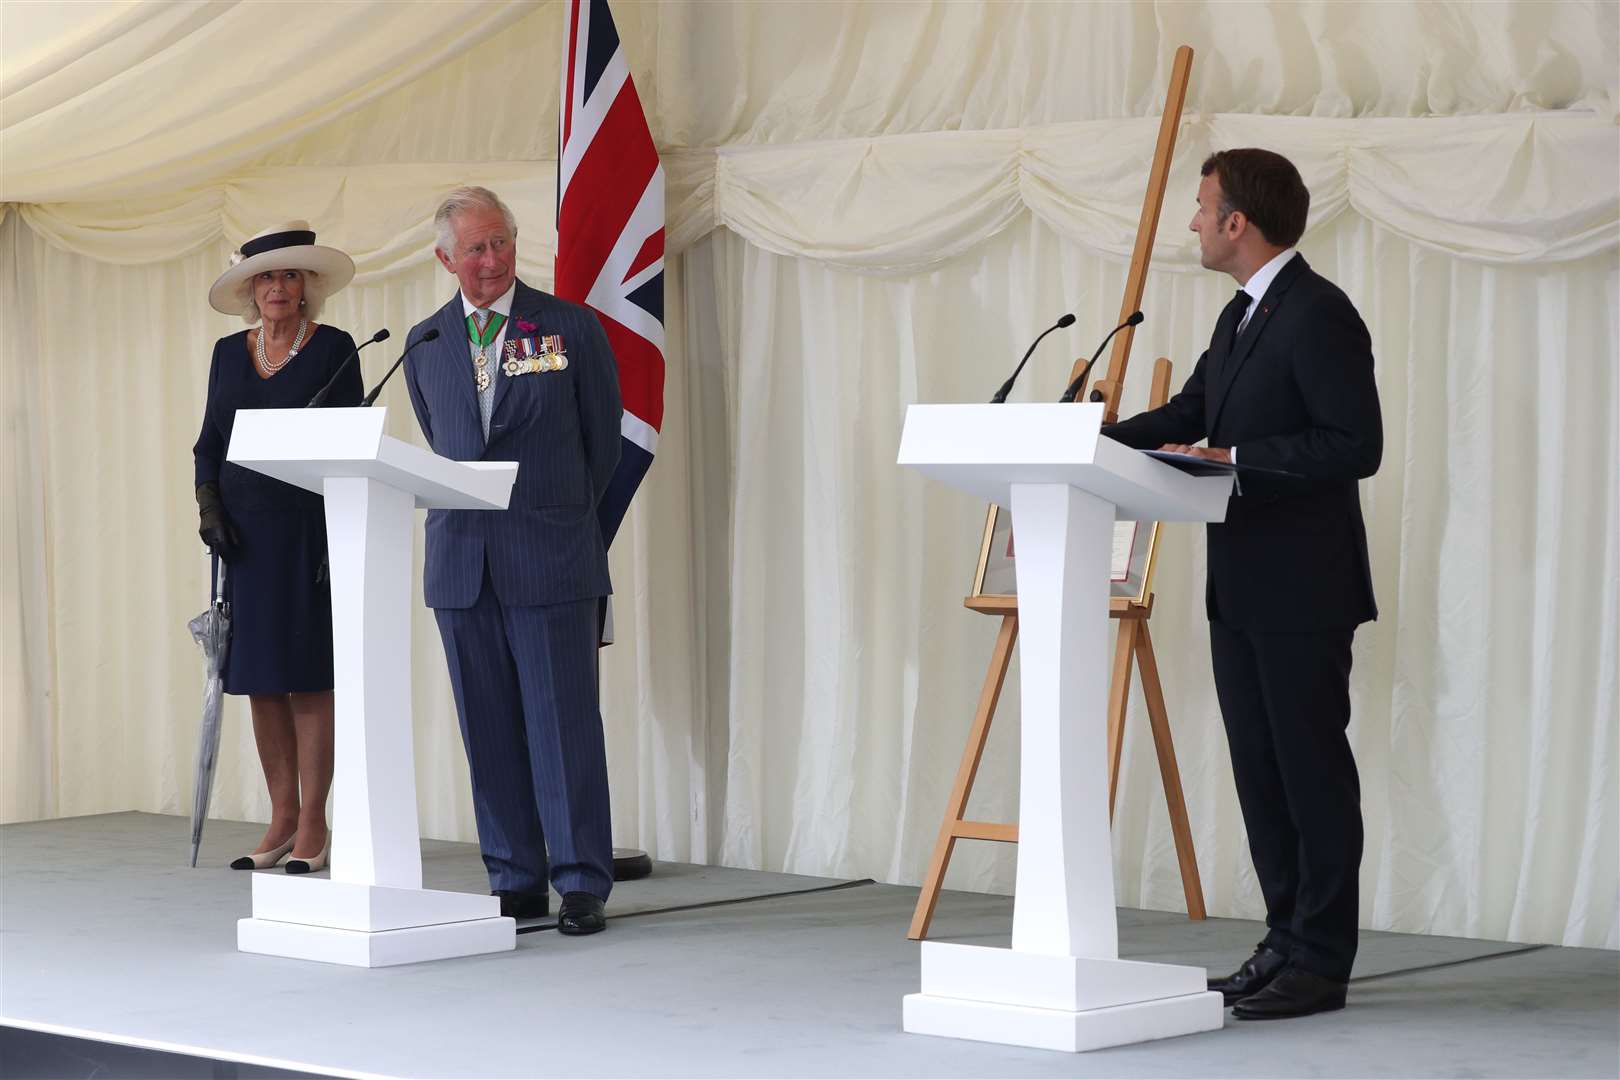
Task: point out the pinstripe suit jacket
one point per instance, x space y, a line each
561 427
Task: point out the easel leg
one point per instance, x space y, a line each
1180 827
1119 688
1000 657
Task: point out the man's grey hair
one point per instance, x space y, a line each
459 202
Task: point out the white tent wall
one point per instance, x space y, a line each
795 673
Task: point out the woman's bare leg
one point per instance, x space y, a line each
274 733
312 722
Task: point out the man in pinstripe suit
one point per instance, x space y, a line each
519 375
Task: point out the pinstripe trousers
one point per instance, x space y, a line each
525 685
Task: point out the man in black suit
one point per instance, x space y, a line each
1286 383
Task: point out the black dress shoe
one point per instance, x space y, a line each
524 905
1295 992
1254 976
581 913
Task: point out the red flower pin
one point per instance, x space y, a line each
526 327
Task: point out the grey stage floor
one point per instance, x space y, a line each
106 935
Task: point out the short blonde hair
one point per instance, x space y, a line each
312 303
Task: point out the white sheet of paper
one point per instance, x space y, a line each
1124 541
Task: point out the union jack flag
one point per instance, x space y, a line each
610 232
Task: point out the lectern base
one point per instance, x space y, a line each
380 948
1056 1002
1061 1029
339 922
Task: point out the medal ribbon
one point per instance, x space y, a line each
484 336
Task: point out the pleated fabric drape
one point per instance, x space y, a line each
870 205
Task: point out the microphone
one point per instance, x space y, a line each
1074 387
1006 387
431 335
320 397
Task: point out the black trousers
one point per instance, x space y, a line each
1285 699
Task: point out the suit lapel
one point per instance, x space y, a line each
454 365
1220 347
1232 364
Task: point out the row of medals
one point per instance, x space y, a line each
546 361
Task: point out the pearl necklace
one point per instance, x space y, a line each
298 342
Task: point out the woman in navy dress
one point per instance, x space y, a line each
273 535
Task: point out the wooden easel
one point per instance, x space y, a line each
1134 642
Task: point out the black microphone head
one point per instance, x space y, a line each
1135 319
431 335
381 335
1067 320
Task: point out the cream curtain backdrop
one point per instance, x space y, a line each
870 205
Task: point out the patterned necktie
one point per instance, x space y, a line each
1235 310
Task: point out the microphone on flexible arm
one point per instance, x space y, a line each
431 335
320 397
1074 387
1006 387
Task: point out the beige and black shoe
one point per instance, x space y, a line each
309 866
263 860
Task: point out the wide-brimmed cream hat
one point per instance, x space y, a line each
285 247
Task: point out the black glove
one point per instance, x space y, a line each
215 528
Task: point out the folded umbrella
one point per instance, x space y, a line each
211 630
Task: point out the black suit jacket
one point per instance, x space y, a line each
1295 392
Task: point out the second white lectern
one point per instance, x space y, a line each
372 911
1062 985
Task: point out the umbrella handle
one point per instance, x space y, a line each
216 574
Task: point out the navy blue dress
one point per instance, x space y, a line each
281 604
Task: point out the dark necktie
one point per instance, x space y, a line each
1235 310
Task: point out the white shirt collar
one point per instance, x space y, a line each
502 306
1257 285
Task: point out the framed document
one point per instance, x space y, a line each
1130 577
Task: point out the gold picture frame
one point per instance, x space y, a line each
995 581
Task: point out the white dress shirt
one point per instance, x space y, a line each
1260 281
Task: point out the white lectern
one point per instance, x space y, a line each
1062 985
372 911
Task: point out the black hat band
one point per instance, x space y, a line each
274 241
